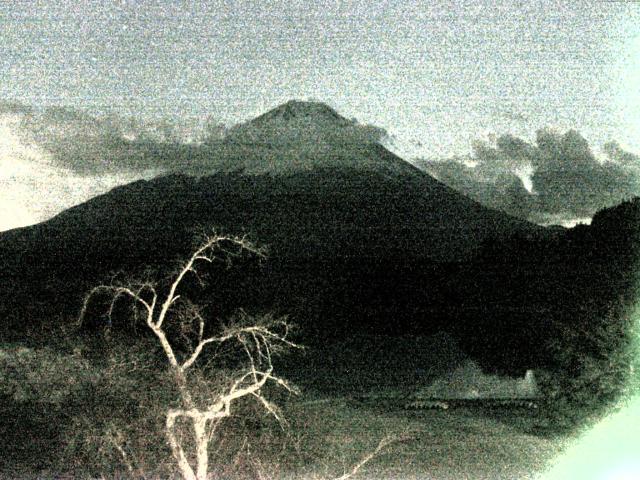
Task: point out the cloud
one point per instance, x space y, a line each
512 115
555 179
108 144
616 154
55 158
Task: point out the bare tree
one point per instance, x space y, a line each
259 338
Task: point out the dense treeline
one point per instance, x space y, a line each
350 253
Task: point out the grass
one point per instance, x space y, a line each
329 431
457 444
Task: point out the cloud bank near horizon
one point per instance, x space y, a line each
90 145
54 158
556 179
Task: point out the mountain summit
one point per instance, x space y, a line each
300 136
296 110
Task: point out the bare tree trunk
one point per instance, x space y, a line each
178 453
261 337
202 447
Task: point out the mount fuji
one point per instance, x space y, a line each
350 227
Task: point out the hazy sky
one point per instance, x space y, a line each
441 73
435 75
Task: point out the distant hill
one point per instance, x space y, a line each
357 237
361 245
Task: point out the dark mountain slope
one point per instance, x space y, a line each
351 228
327 217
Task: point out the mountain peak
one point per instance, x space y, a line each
295 122
303 136
298 110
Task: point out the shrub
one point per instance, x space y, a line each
591 370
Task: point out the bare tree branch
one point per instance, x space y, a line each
116 441
384 443
259 339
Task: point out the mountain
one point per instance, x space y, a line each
350 227
294 115
297 123
294 137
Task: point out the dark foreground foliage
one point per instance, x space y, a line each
99 409
560 304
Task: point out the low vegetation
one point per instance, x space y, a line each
152 404
177 393
594 369
111 424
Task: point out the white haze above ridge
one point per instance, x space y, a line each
37 179
54 158
555 178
